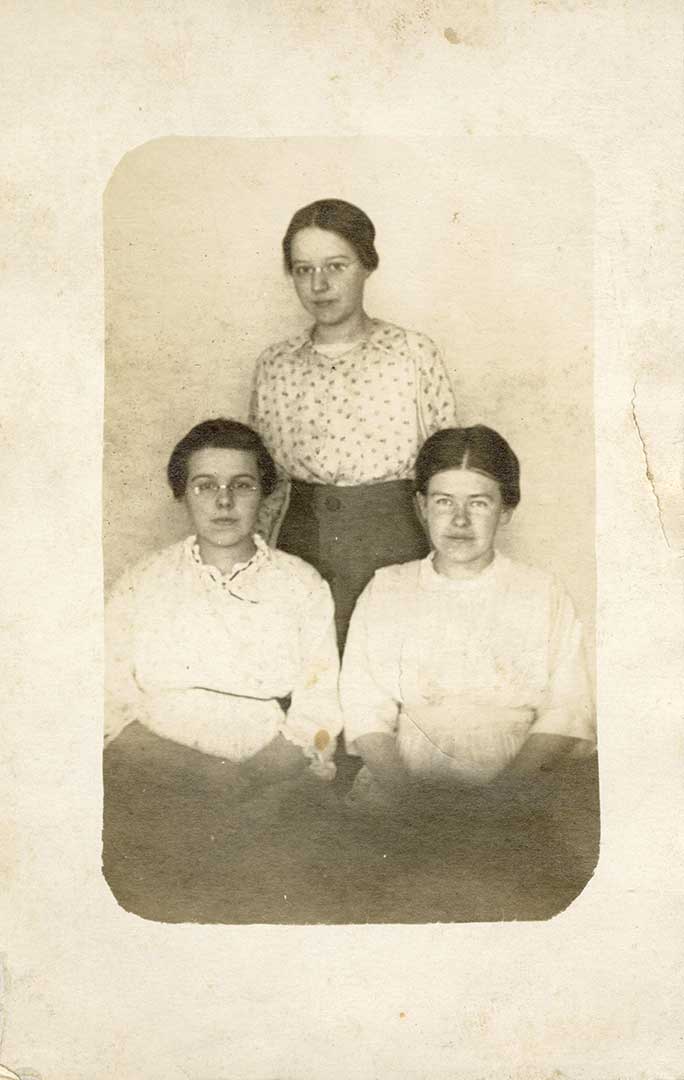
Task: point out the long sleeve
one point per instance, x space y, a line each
368 706
313 719
124 701
566 708
436 403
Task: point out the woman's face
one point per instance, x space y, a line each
462 510
223 518
328 277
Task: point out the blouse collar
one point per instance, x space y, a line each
238 580
433 581
380 336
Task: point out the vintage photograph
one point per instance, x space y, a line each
349 530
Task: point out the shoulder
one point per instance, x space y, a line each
298 576
282 350
157 566
533 583
395 580
393 336
523 578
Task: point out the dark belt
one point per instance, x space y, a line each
336 498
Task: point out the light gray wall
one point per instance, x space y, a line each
486 245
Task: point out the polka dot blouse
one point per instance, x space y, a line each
355 417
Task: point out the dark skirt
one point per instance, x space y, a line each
348 533
182 842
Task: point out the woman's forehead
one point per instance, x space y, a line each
215 460
312 244
463 482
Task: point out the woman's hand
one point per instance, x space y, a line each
280 760
380 755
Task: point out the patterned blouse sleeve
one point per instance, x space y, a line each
436 401
274 507
567 707
124 700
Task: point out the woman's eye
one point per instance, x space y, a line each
205 486
302 271
336 268
242 486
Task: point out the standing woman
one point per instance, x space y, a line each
343 408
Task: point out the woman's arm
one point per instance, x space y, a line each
539 753
381 756
314 719
565 722
370 711
436 402
124 700
566 709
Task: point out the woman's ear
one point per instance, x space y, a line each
506 515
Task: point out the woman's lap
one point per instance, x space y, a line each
185 838
179 845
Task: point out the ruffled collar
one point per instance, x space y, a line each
238 581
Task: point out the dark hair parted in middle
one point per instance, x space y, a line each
220 434
343 218
478 448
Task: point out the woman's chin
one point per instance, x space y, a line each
228 537
463 557
325 313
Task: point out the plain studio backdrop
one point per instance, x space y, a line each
484 244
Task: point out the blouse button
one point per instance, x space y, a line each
332 503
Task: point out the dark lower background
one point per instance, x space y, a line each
181 846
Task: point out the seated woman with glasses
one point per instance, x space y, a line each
464 671
221 660
207 639
343 409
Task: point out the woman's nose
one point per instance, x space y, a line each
319 279
460 515
225 496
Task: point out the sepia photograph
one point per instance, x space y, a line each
349 531
343 536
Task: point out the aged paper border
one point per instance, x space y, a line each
88 991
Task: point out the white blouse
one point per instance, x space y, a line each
203 658
463 671
357 417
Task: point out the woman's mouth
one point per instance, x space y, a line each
224 521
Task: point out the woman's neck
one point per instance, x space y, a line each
461 571
352 329
226 559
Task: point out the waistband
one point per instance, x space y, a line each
337 496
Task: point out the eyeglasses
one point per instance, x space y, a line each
333 269
209 489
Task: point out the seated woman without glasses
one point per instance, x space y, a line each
463 671
209 639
